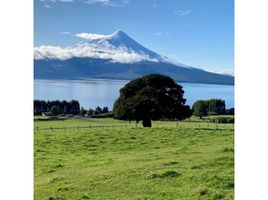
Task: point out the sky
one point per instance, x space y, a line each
198 33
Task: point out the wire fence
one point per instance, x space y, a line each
83 127
156 125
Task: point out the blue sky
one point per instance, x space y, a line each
199 33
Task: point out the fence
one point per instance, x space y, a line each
156 125
81 127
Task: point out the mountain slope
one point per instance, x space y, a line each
115 56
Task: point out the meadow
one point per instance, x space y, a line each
193 159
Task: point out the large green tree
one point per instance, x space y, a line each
199 109
149 98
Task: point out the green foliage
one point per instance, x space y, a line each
203 108
104 115
194 161
230 111
153 97
223 120
65 107
199 108
97 111
82 111
90 112
215 106
55 110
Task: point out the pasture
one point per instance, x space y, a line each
192 159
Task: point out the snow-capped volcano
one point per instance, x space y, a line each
115 56
118 47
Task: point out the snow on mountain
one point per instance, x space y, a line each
117 47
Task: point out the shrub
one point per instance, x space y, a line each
106 115
223 120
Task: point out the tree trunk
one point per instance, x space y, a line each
146 123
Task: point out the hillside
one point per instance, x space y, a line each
116 56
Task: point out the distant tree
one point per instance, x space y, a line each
65 107
105 110
65 110
230 111
74 107
40 106
215 106
98 111
90 112
199 109
82 112
149 98
55 110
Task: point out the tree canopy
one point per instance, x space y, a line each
71 107
149 98
212 107
199 109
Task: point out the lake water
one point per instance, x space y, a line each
102 92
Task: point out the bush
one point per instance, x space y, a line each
230 111
105 115
223 120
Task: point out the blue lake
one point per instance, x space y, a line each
103 92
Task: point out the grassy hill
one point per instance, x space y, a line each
191 160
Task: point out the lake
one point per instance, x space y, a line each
103 92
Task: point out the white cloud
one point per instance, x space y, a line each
182 12
66 33
52 52
47 3
154 5
158 33
116 3
119 55
89 36
54 1
219 70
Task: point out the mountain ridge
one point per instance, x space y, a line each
115 56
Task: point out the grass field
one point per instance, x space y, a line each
191 160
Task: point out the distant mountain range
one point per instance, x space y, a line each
116 56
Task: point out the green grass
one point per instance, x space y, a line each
194 160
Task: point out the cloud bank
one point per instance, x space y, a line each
56 52
182 12
89 36
116 3
113 3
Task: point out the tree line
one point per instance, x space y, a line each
203 108
151 97
56 107
65 107
91 112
